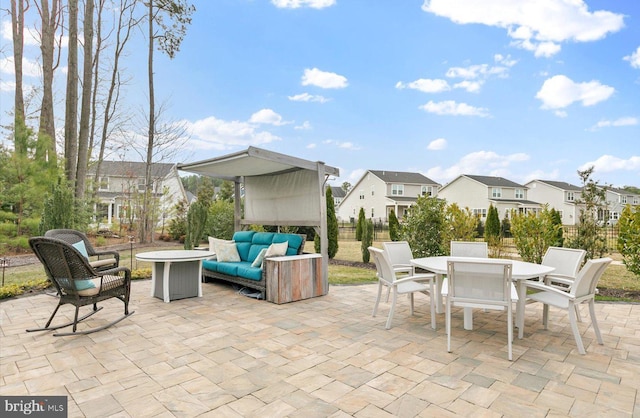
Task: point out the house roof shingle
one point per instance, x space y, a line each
402 177
493 181
562 185
131 169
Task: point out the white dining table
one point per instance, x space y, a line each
521 271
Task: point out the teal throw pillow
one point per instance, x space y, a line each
84 284
82 248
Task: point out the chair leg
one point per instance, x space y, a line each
545 316
394 297
48 328
574 327
375 306
388 293
448 324
594 321
578 313
510 332
432 302
411 303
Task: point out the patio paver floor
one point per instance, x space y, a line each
226 355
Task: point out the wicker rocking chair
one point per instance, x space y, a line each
78 283
99 260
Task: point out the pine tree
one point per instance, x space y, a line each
360 224
394 226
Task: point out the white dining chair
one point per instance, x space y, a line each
567 263
581 290
409 284
469 249
400 256
482 283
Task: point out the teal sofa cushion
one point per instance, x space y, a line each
248 272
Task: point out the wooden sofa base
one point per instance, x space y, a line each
284 279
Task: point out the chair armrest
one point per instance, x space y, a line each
112 253
416 278
541 286
559 278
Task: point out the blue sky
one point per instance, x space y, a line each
523 89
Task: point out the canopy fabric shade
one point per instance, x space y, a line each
278 189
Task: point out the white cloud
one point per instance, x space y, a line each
30 68
534 25
486 163
634 58
213 133
560 91
450 107
627 121
323 79
31 37
342 145
304 127
8 86
425 85
294 4
437 144
608 163
306 97
470 86
267 116
311 146
473 72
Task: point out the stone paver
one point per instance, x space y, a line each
226 355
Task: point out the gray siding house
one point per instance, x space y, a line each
380 191
121 184
560 196
479 192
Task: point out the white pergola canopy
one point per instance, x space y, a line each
278 189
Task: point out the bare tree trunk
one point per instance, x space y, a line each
152 125
50 19
85 109
19 124
96 77
71 110
126 22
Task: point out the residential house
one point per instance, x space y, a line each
616 200
122 183
559 195
479 192
338 194
380 191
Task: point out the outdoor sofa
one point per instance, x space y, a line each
288 276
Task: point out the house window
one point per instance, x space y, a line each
624 199
372 190
427 191
372 213
636 200
570 197
519 194
141 185
480 212
397 189
613 216
104 184
361 194
496 192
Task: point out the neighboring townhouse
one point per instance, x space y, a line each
338 194
478 192
380 191
559 195
616 200
122 183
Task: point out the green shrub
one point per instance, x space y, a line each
12 290
367 240
139 274
424 227
8 229
30 227
9 217
629 238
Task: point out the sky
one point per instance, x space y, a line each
521 89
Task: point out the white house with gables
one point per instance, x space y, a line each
380 191
479 192
616 200
559 195
121 184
